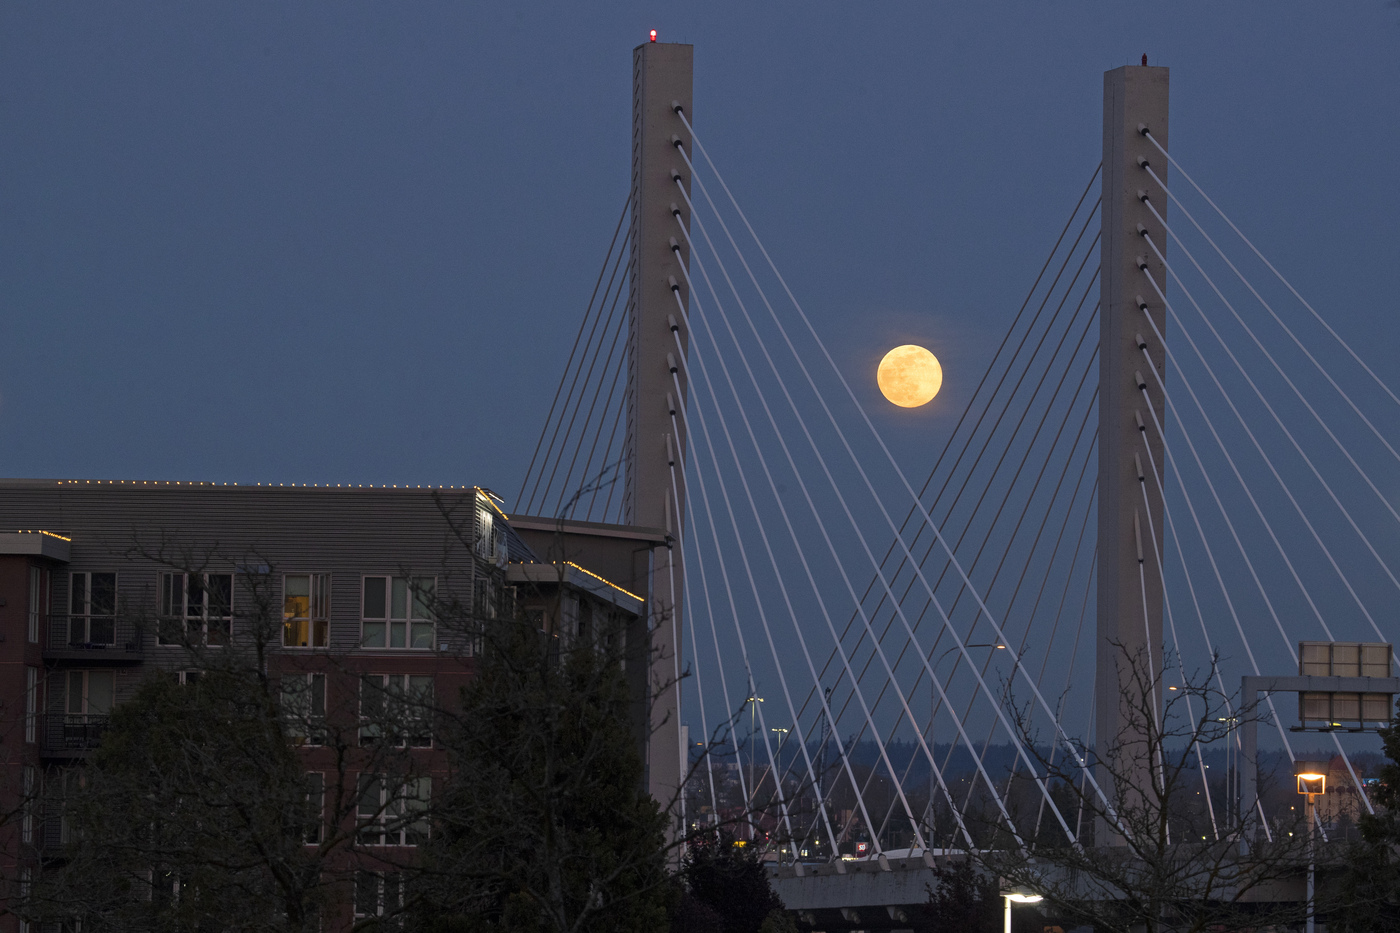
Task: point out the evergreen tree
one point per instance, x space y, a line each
727 889
544 823
965 900
1368 892
192 815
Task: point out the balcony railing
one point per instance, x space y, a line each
92 636
73 732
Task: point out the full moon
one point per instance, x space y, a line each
909 376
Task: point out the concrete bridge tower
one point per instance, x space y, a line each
661 79
1129 584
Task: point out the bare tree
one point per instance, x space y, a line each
1163 855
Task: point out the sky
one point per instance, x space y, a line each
351 242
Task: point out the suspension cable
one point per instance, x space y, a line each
1316 316
894 464
1248 563
719 307
582 326
1306 459
704 372
831 480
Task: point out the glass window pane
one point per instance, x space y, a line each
393 893
296 596
422 635
424 595
294 633
172 597
373 636
400 606
369 796
374 598
397 634
102 688
321 630
103 600
366 894
371 696
220 595
77 597
321 596
75 692
194 597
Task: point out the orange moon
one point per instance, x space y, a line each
909 376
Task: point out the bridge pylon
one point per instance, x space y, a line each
1130 443
656 436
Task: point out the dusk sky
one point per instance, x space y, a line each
350 242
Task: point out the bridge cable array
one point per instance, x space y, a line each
921 645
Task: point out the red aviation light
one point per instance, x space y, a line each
653 35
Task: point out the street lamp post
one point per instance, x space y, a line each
753 750
1312 783
1020 898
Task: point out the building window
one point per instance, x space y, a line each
87 702
36 601
186 678
396 709
26 879
486 598
393 813
196 608
315 806
26 832
92 609
31 703
306 605
397 612
304 708
379 894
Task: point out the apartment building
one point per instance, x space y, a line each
105 584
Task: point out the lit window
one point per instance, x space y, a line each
490 542
304 708
196 608
92 610
306 604
397 612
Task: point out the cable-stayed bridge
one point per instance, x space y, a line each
1173 460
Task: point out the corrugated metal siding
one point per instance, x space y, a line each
344 532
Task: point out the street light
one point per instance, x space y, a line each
1312 783
1019 897
753 750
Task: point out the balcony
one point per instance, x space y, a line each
93 640
71 735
